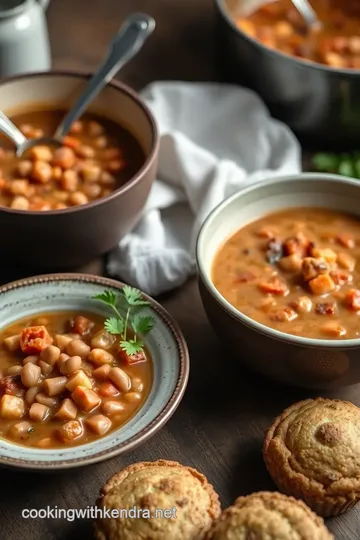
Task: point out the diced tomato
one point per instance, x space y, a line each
81 325
9 385
71 142
352 299
130 359
34 339
274 286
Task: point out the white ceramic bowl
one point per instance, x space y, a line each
293 360
167 346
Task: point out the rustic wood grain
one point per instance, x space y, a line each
219 425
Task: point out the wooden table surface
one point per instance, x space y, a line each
220 423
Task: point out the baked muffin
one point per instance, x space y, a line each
190 502
268 516
312 451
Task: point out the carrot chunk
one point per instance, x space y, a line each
352 299
322 284
34 339
274 286
85 398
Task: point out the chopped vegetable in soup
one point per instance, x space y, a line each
336 43
297 271
97 157
65 381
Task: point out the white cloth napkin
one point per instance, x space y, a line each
215 140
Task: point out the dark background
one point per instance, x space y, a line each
219 426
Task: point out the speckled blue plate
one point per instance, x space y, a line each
167 346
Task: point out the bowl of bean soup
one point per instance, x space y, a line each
308 78
81 198
89 369
279 275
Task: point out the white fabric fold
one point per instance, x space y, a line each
214 140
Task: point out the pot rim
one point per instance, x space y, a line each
302 63
139 176
229 308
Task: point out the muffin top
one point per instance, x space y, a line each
190 501
268 516
317 442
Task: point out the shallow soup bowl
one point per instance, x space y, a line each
290 359
165 343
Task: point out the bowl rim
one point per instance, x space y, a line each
136 178
229 308
301 62
163 415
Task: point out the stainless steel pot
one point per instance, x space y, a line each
320 104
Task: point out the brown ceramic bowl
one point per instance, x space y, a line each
74 236
290 359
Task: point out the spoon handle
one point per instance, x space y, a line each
10 130
127 42
304 7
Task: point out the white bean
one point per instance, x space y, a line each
30 374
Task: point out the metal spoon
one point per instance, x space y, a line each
307 12
127 42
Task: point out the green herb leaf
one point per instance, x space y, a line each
142 324
113 325
107 297
346 168
129 299
357 167
131 346
326 162
133 296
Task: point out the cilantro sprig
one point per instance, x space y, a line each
130 302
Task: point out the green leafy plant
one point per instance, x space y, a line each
128 301
344 164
